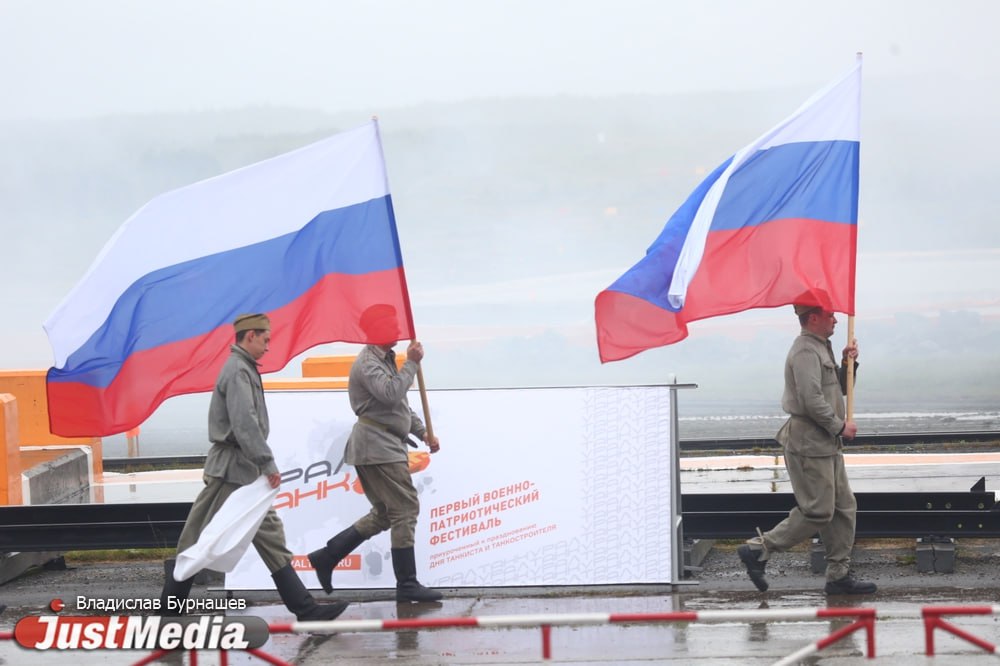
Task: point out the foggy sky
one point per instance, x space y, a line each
65 58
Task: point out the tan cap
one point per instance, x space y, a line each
252 322
806 309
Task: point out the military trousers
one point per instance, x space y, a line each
825 504
269 540
395 506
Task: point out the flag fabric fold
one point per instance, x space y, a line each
309 237
229 533
774 224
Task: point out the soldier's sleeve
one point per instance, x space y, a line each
246 427
386 387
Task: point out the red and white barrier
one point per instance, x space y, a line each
932 620
545 622
864 619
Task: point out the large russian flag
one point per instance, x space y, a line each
308 237
774 224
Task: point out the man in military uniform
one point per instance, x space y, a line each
238 427
378 450
812 439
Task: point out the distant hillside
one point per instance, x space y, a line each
593 178
520 188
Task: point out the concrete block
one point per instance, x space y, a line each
944 557
695 552
925 556
935 555
817 557
13 565
57 480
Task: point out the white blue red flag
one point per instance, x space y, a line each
308 237
774 224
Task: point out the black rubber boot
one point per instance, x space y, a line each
848 585
175 591
755 567
407 586
328 557
298 600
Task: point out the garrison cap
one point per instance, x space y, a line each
252 322
806 309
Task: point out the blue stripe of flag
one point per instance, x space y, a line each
197 296
815 180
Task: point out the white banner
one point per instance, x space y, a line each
543 486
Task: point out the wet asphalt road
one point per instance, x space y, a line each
720 584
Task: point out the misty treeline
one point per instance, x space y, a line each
508 189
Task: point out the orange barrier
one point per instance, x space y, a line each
336 366
27 440
28 387
10 451
305 383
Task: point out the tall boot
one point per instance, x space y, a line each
298 600
407 586
329 556
178 590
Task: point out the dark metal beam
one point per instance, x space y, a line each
871 524
868 501
61 527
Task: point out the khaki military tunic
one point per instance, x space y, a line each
377 446
238 428
825 504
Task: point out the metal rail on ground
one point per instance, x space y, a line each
972 514
877 441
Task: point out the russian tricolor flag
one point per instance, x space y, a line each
774 224
308 237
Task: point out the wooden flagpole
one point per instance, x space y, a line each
423 401
850 370
409 314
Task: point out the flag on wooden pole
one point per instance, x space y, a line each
774 224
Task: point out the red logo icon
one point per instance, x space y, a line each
57 605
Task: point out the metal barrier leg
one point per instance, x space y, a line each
938 623
933 620
546 641
868 623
